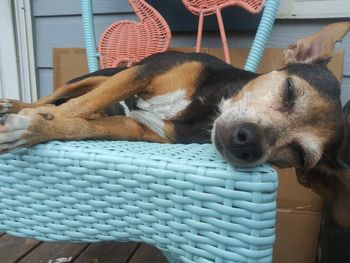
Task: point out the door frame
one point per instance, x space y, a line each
17 61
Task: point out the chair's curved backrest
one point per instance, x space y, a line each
208 7
130 41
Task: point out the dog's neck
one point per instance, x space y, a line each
215 85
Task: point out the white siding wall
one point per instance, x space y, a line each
58 24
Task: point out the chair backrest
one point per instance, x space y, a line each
208 7
129 41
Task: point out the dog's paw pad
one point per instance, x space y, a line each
5 106
8 147
12 129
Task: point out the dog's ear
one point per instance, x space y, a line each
331 178
333 184
316 48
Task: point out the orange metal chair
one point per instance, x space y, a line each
129 41
208 7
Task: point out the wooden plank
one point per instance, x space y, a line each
147 253
108 252
14 248
320 9
73 7
55 252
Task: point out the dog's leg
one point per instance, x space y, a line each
114 89
72 90
12 106
68 121
66 91
18 130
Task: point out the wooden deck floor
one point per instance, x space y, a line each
21 250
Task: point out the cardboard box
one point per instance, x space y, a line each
68 63
299 210
299 214
297 235
291 195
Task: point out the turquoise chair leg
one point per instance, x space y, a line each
262 35
89 35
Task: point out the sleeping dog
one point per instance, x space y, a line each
287 117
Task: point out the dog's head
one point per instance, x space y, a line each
293 117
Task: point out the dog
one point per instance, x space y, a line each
287 117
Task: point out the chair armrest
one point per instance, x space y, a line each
181 198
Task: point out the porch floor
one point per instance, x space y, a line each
21 250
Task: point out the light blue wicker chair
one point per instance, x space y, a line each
182 199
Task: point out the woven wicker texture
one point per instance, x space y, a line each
181 198
253 60
208 7
129 41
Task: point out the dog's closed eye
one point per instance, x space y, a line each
289 94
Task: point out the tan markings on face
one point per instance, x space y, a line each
309 122
183 76
256 102
283 155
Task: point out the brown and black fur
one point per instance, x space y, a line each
287 117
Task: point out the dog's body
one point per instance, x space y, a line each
288 117
181 94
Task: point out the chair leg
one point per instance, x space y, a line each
89 35
199 32
262 35
223 36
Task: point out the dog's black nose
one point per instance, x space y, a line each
245 143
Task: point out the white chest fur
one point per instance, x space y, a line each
154 111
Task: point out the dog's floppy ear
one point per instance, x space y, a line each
333 184
316 48
331 178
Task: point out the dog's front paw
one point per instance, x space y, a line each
13 130
5 106
12 106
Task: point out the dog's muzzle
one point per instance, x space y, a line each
239 144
